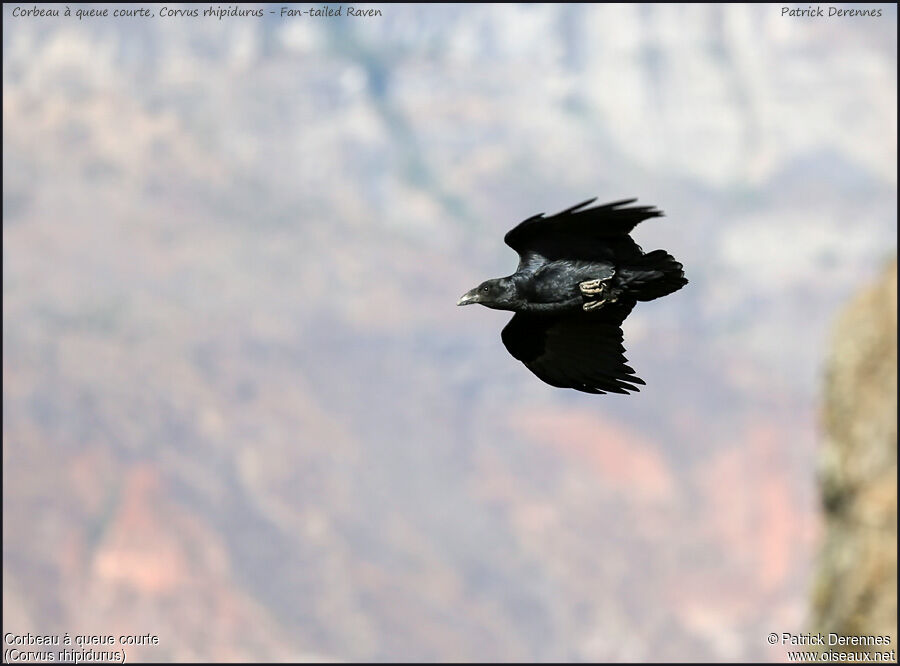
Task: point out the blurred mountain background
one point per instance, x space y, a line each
241 410
856 588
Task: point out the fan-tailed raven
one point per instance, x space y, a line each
579 276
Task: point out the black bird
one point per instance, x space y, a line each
579 276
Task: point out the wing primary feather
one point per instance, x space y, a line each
581 205
616 204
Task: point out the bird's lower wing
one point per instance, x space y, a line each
582 351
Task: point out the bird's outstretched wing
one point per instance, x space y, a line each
582 351
578 232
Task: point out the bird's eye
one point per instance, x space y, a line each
484 289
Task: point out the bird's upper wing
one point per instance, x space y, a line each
575 230
582 351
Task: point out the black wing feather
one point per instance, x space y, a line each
582 351
576 227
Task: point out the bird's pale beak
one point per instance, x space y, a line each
467 298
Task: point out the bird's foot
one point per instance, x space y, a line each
598 292
593 305
593 288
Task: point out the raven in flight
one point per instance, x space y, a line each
578 278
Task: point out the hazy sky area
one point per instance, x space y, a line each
242 412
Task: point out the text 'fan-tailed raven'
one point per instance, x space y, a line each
579 276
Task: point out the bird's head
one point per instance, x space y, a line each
499 294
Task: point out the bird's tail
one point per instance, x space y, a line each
654 275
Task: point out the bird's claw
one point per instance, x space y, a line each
599 292
593 287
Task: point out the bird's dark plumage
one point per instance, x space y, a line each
580 274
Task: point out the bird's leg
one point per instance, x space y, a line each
592 288
598 292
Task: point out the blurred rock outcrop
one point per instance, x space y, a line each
856 587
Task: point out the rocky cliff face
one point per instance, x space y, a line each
856 589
